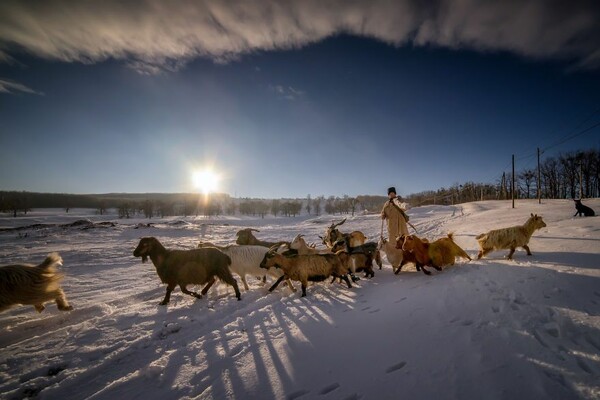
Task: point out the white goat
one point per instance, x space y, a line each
394 255
245 260
509 238
300 245
312 267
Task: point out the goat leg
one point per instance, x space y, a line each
436 267
61 301
512 251
184 290
277 282
208 285
527 249
378 259
167 295
345 278
422 267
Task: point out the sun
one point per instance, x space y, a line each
205 180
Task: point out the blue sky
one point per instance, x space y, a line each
308 97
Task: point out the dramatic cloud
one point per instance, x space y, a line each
155 35
13 87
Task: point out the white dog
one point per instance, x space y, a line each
31 284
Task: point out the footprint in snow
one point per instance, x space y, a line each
374 311
365 309
401 300
396 367
453 320
297 394
329 388
467 322
583 365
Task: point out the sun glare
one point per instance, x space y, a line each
205 180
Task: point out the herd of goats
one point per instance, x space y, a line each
344 256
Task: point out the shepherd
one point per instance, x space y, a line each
396 216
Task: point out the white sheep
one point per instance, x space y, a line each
509 238
186 267
312 267
245 260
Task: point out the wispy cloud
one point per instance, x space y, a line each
287 92
14 87
156 35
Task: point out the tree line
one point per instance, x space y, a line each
568 175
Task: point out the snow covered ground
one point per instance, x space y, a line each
492 328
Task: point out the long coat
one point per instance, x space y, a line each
396 221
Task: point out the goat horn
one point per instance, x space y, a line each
333 224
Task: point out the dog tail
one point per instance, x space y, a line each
51 262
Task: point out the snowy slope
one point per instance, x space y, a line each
491 328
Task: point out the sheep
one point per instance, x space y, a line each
33 285
510 238
185 267
436 254
245 260
304 268
245 237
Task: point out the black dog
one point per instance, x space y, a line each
583 210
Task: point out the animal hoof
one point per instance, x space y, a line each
69 308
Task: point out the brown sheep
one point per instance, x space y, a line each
185 267
34 285
436 254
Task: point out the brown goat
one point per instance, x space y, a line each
185 267
436 254
32 285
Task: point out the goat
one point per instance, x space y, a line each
245 260
245 237
33 285
436 254
357 262
510 238
185 267
394 254
312 267
583 210
408 257
332 235
300 245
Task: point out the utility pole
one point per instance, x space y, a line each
539 179
512 188
581 180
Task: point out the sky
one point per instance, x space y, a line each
287 99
